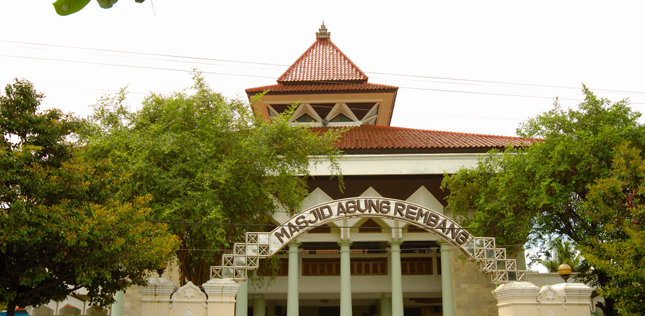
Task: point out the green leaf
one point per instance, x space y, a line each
106 4
67 7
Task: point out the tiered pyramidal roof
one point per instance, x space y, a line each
324 80
322 67
323 62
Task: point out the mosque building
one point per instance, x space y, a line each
344 258
382 246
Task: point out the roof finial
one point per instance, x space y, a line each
322 32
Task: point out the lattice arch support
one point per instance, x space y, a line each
259 245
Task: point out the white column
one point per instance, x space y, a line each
242 299
292 285
446 281
271 308
259 305
117 306
345 279
397 284
386 305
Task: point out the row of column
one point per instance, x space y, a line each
389 306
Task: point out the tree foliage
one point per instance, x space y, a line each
560 251
533 193
67 7
488 203
617 204
60 229
212 167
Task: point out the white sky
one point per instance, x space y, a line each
444 55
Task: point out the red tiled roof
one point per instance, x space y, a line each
323 61
315 87
387 137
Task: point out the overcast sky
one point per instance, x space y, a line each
466 66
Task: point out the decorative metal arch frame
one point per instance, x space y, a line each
259 245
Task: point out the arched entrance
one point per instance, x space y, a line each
265 244
450 234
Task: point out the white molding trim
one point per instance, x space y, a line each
535 303
566 303
516 303
397 164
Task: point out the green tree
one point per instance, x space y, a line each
67 7
560 251
616 204
60 230
214 169
531 193
489 203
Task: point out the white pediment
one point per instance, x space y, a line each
317 196
188 293
370 192
423 197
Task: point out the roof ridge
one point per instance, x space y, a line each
349 60
284 74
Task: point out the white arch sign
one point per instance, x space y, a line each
265 244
